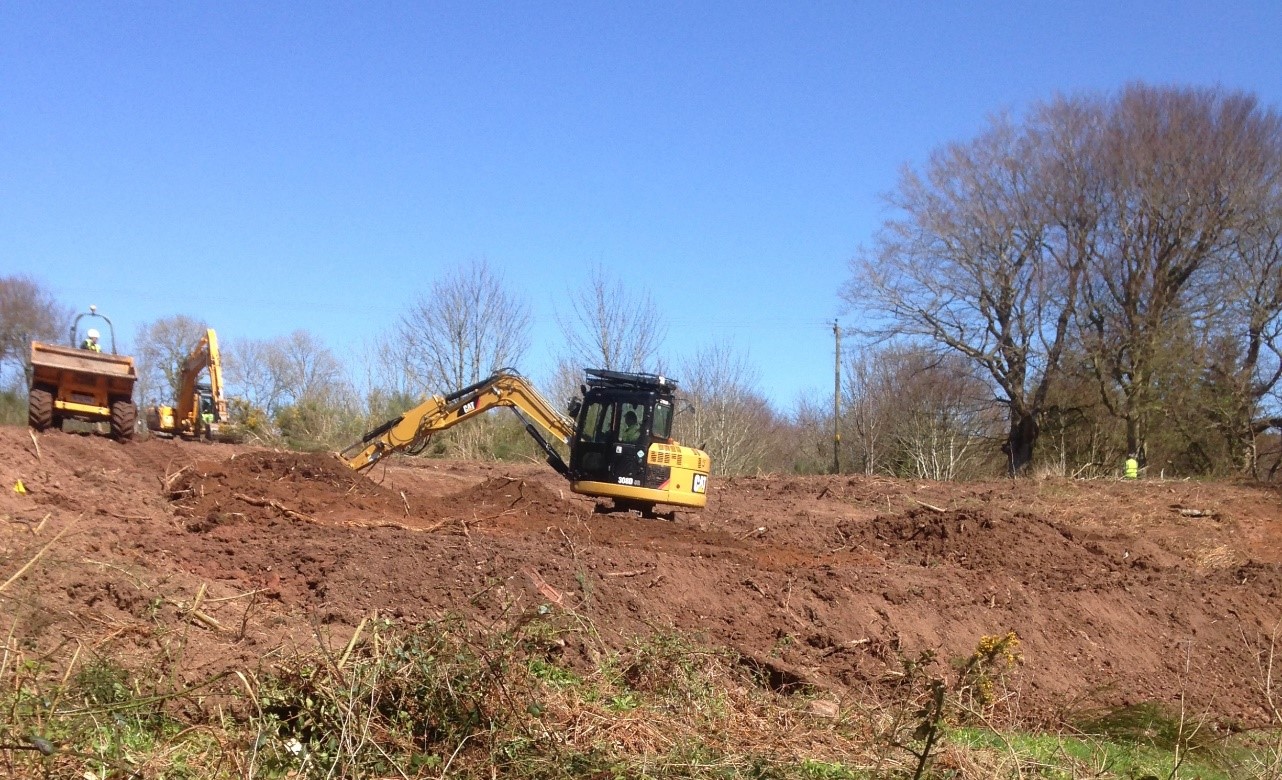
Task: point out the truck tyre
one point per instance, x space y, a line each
39 409
124 416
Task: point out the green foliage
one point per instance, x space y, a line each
1071 756
13 407
985 669
429 691
316 423
671 667
250 419
1146 723
96 719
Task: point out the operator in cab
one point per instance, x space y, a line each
91 341
631 429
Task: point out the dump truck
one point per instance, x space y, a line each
618 434
81 382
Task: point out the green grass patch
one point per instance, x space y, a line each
1073 756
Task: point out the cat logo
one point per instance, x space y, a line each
700 483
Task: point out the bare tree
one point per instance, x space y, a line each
28 312
1244 345
611 325
256 374
871 406
310 368
909 411
944 416
467 326
980 265
565 383
806 437
730 419
1182 169
291 384
160 347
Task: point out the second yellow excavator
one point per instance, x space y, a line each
201 407
618 434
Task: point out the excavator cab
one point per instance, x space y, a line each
208 408
623 447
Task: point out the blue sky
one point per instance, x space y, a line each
270 166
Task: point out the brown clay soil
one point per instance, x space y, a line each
1120 592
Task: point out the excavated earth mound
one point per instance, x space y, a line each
222 558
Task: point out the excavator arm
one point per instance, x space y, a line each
411 431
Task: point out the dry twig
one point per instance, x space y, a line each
356 635
32 562
931 507
634 573
278 506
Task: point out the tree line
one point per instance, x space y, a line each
1105 273
1098 279
294 391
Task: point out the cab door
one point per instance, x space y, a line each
607 449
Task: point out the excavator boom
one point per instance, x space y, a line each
411 431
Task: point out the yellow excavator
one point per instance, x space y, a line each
201 408
618 434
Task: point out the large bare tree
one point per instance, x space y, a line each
1113 226
272 374
28 312
612 324
984 260
1185 173
607 323
292 389
465 327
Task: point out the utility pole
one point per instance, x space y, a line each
836 401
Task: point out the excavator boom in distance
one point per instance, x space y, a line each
201 407
618 435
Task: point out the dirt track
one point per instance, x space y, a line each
1117 594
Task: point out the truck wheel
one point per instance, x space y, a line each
124 416
39 409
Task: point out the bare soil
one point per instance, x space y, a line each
1120 592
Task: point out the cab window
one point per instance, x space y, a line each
633 422
662 425
598 423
